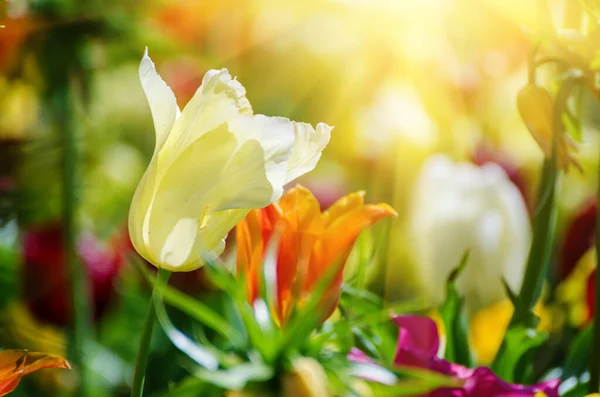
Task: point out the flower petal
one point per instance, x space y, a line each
302 210
307 148
344 221
276 137
219 99
417 334
161 99
249 241
14 364
201 190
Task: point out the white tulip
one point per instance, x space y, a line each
212 163
460 207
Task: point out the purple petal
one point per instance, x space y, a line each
484 383
417 334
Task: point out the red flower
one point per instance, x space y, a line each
579 238
45 283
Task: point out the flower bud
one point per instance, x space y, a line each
307 379
536 108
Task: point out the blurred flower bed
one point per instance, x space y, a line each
426 224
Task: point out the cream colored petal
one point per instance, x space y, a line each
307 148
219 99
213 174
183 191
211 238
244 182
276 138
139 212
179 243
161 99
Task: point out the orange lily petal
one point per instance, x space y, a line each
301 209
345 220
14 364
249 238
299 228
308 243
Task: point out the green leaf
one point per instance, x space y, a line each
200 354
579 389
518 342
195 309
455 320
238 377
578 355
400 381
522 314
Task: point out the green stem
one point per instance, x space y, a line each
81 324
594 385
541 246
141 362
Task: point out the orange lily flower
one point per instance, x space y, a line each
310 242
14 364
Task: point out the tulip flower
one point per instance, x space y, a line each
418 345
462 207
213 162
14 364
310 242
45 283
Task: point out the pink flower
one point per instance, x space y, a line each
418 344
44 276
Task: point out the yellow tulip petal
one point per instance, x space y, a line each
308 146
219 99
161 99
275 135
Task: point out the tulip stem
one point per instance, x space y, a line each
141 361
594 385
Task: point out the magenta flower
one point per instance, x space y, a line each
418 344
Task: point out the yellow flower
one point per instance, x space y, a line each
212 163
572 292
488 326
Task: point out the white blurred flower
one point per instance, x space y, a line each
212 163
461 207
